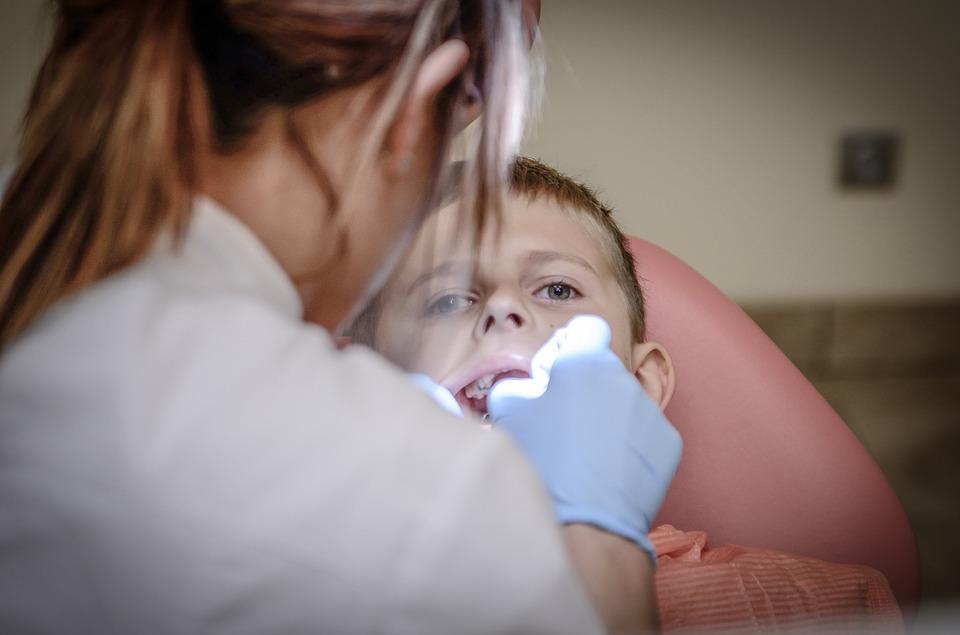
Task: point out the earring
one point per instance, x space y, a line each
405 162
332 72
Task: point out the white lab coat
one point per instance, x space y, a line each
180 453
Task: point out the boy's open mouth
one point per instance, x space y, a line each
473 396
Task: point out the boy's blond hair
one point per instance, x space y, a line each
533 179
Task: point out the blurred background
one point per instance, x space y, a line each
803 155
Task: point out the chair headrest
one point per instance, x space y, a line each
767 462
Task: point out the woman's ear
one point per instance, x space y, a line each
653 368
473 107
440 67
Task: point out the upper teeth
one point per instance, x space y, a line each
480 386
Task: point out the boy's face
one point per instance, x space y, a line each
467 320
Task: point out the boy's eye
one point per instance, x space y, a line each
558 291
449 303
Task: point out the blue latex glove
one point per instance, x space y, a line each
605 451
438 393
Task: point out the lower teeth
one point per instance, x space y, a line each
479 388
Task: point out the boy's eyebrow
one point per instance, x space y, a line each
544 256
442 269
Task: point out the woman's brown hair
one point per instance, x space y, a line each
131 93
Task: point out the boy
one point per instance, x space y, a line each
468 318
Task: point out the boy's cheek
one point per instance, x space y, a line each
621 340
438 346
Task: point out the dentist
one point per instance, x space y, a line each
180 451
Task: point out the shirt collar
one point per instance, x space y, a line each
242 259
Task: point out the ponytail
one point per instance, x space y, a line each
107 155
132 93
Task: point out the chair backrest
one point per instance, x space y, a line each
767 462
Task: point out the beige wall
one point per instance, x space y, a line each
711 126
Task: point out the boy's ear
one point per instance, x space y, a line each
440 67
653 368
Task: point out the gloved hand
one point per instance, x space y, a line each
438 393
605 451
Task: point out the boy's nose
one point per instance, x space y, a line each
502 312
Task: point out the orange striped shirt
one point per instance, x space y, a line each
734 589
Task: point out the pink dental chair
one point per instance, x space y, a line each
767 462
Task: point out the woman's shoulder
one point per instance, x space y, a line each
129 359
157 342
